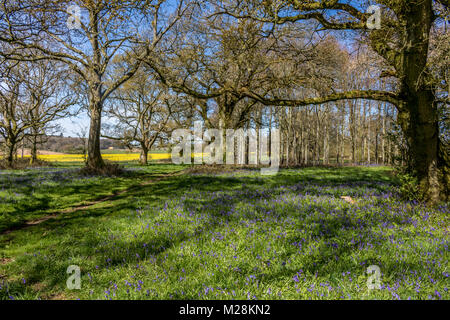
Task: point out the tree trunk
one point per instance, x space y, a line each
143 159
10 145
383 138
307 131
258 128
33 158
422 134
343 142
302 143
368 134
352 130
338 159
325 144
270 130
286 149
94 159
418 116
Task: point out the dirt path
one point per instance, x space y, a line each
89 204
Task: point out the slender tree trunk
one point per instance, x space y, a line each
302 142
270 130
383 138
316 155
307 131
247 144
342 142
286 149
325 145
352 130
288 136
338 159
376 147
258 139
368 134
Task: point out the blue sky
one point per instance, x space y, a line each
71 125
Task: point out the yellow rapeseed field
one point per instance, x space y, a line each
119 157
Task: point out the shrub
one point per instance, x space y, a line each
23 163
409 187
109 169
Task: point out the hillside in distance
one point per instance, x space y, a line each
63 144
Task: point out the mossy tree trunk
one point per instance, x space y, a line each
11 148
33 151
418 116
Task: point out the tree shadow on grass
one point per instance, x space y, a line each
231 194
32 205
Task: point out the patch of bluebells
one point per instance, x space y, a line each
289 240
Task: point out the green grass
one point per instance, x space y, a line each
237 235
30 194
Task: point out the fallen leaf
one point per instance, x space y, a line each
348 199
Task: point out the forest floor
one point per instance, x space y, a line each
158 233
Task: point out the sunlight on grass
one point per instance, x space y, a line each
240 235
